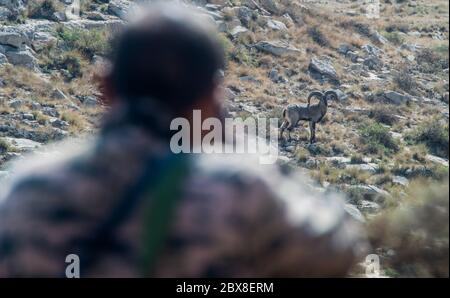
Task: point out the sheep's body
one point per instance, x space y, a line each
294 113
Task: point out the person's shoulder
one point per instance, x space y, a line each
41 175
279 184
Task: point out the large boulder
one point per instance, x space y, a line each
276 25
276 48
5 13
323 68
14 38
238 30
270 5
20 57
119 8
42 39
3 59
245 15
395 97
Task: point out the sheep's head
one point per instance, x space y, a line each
330 94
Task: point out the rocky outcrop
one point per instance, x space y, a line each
277 48
323 69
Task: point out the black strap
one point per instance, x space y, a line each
102 237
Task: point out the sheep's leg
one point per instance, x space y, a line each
312 128
289 129
283 128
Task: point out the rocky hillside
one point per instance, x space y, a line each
387 132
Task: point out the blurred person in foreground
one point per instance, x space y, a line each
129 208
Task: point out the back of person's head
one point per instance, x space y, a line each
168 53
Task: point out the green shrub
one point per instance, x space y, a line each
394 37
404 80
87 42
417 230
377 139
432 61
4 146
434 134
43 9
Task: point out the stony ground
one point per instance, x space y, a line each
385 135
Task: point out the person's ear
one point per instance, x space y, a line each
105 86
210 103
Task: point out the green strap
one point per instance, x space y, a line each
159 210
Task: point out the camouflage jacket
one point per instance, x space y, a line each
235 218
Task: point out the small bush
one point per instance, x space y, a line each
404 80
4 146
356 159
432 61
318 37
377 139
417 230
383 115
72 63
434 134
43 9
394 37
88 43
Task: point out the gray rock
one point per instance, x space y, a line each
58 123
339 159
354 212
276 25
411 47
16 103
274 76
228 94
238 30
14 38
58 94
42 39
437 159
28 116
400 180
368 206
90 101
5 13
22 144
221 26
344 48
277 48
59 16
49 111
368 167
323 68
3 59
270 6
371 50
372 62
378 38
370 190
396 97
119 8
245 15
13 4
21 57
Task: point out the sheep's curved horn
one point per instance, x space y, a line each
331 92
314 93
